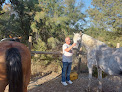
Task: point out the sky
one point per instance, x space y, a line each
87 3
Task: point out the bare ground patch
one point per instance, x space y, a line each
110 84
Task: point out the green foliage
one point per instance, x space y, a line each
106 14
33 27
17 18
48 21
48 18
109 37
40 45
57 18
1 2
52 42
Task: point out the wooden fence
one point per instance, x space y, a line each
40 52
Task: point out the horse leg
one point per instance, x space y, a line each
90 77
26 79
26 82
99 79
3 85
25 88
120 83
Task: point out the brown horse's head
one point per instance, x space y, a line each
17 39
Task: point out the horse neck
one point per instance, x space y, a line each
90 42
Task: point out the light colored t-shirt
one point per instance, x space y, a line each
67 56
65 52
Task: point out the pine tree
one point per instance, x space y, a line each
106 14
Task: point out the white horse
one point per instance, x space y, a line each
103 57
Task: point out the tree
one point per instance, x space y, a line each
17 18
1 2
106 14
57 18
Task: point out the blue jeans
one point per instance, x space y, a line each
66 71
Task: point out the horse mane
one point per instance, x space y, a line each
91 42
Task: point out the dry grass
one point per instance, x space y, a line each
40 69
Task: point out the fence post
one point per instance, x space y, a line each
118 45
30 42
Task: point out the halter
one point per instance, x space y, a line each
11 39
7 39
79 41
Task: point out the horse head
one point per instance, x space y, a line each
17 39
77 39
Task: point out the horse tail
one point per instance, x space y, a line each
14 70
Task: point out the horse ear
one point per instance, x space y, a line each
10 36
73 33
20 37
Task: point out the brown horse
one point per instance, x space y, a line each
15 66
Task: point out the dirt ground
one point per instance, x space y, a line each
52 83
110 84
